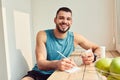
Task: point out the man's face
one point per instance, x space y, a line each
63 21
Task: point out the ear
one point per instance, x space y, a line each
71 21
55 20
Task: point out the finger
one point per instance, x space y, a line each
64 66
72 62
91 59
67 68
88 62
84 58
67 60
66 63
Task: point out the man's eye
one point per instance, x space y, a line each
68 19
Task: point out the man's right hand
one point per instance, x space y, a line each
65 64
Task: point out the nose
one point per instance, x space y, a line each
64 21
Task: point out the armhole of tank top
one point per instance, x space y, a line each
73 40
46 36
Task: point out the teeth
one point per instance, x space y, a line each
64 25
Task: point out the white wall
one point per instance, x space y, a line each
92 18
3 65
17 34
118 25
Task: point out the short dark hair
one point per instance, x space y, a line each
66 9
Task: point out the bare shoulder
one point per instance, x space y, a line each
41 36
78 37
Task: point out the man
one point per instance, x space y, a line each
49 42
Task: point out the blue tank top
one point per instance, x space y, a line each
53 44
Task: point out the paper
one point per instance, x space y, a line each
72 70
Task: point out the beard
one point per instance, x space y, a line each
62 31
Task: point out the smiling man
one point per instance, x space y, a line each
48 42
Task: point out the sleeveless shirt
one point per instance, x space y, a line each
53 44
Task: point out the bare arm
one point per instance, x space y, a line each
84 43
41 54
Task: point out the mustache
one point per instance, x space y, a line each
63 23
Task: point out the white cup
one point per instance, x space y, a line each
103 51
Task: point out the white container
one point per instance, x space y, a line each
103 51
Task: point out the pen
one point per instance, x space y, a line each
61 54
73 69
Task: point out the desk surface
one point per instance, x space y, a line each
86 72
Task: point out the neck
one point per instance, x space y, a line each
59 35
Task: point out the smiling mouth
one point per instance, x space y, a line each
64 26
